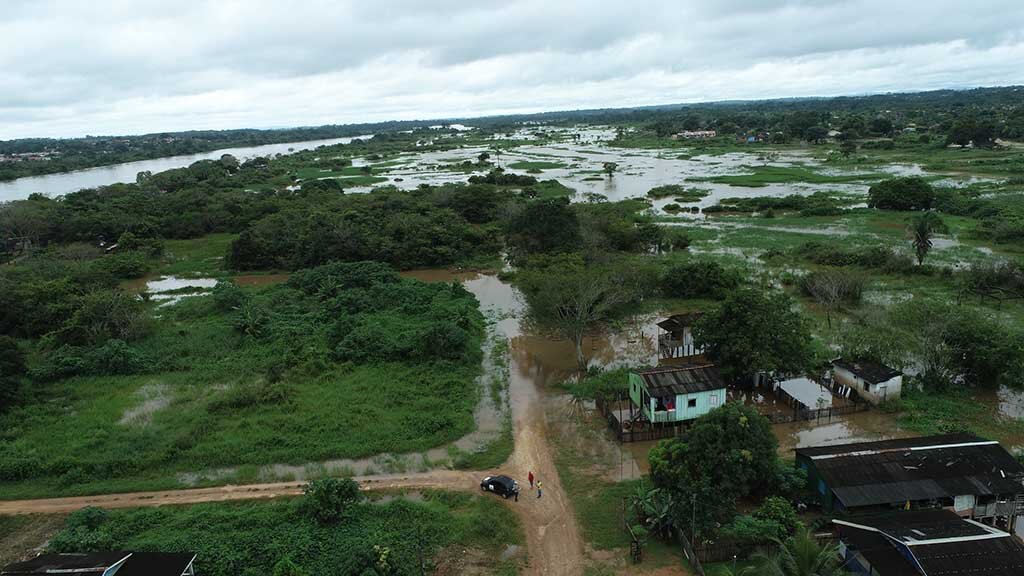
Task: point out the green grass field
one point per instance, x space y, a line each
219 398
250 538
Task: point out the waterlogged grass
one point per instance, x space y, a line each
196 257
765 175
929 412
536 165
250 538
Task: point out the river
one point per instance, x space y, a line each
65 182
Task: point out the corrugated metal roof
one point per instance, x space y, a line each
868 478
941 542
992 557
873 372
880 445
677 322
681 380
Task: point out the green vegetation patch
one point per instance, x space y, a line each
536 165
765 175
251 538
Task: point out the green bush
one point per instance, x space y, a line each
113 357
699 279
906 193
330 499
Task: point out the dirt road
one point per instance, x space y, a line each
439 479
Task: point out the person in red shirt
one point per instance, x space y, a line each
530 478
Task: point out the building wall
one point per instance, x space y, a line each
704 402
873 393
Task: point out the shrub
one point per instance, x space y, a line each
12 367
749 530
249 394
114 357
328 500
906 193
699 279
228 296
778 510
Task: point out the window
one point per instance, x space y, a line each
714 400
691 403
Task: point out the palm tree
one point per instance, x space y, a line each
922 228
801 555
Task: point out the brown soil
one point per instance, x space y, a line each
23 537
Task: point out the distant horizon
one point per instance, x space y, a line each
455 119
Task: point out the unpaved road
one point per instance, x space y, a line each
439 479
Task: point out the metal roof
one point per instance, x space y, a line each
135 564
939 541
865 475
156 564
87 563
677 322
872 372
881 445
670 381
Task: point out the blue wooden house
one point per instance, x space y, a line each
676 393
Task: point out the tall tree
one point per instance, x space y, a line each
754 331
570 299
727 454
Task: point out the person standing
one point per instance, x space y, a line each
540 489
530 478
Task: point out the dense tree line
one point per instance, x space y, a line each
90 151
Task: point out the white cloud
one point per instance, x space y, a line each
71 68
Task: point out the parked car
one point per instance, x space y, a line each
501 485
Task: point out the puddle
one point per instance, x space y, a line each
168 290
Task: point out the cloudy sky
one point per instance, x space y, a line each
69 68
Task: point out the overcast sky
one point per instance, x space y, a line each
70 68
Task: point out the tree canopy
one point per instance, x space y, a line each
753 331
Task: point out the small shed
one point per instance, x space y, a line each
872 381
677 394
676 340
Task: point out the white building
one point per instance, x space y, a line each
873 382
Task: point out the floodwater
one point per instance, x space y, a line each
169 290
66 182
638 170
